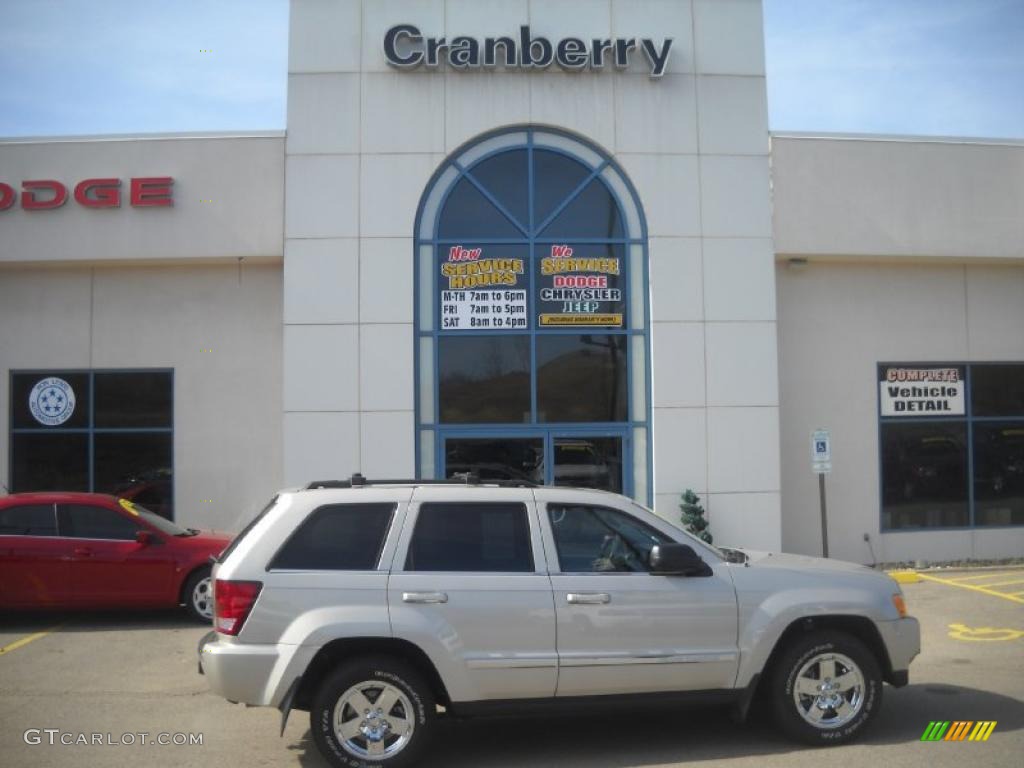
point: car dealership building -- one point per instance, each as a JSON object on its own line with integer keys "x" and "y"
{"x": 543, "y": 241}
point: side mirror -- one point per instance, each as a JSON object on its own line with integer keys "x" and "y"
{"x": 677, "y": 560}
{"x": 145, "y": 538}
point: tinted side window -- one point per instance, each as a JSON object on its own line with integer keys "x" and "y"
{"x": 596, "y": 539}
{"x": 28, "y": 520}
{"x": 471, "y": 537}
{"x": 84, "y": 521}
{"x": 337, "y": 537}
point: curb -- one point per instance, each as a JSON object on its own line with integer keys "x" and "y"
{"x": 904, "y": 577}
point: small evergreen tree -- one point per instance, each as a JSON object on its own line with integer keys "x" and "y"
{"x": 693, "y": 516}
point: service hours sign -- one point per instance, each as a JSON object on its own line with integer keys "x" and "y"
{"x": 482, "y": 290}
{"x": 500, "y": 287}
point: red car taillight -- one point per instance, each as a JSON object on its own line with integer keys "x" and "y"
{"x": 232, "y": 601}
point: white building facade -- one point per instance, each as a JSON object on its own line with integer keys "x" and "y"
{"x": 899, "y": 258}
{"x": 534, "y": 240}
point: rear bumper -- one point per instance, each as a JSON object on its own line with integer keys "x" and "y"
{"x": 902, "y": 639}
{"x": 257, "y": 675}
{"x": 209, "y": 637}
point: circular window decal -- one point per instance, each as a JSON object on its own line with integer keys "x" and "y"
{"x": 52, "y": 401}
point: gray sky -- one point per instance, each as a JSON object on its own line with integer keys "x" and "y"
{"x": 935, "y": 67}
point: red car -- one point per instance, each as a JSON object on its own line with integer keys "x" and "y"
{"x": 88, "y": 550}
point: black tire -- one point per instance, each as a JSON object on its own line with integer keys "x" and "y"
{"x": 373, "y": 670}
{"x": 834, "y": 728}
{"x": 200, "y": 610}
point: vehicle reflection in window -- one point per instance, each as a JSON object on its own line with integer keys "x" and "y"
{"x": 136, "y": 466}
{"x": 925, "y": 471}
{"x": 999, "y": 473}
{"x": 589, "y": 463}
{"x": 496, "y": 458}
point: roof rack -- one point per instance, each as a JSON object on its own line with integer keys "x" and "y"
{"x": 459, "y": 478}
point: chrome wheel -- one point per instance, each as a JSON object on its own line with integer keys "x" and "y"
{"x": 202, "y": 598}
{"x": 373, "y": 720}
{"x": 829, "y": 690}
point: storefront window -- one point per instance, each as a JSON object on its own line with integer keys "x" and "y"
{"x": 581, "y": 378}
{"x": 483, "y": 379}
{"x": 532, "y": 350}
{"x": 997, "y": 390}
{"x": 999, "y": 473}
{"x": 98, "y": 431}
{"x": 952, "y": 445}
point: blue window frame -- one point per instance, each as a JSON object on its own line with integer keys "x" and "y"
{"x": 101, "y": 430}
{"x": 532, "y": 308}
{"x": 951, "y": 445}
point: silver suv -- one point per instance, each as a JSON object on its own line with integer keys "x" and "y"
{"x": 378, "y": 606}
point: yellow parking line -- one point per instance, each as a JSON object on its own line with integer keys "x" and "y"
{"x": 1002, "y": 583}
{"x": 979, "y": 576}
{"x": 983, "y": 590}
{"x": 27, "y": 639}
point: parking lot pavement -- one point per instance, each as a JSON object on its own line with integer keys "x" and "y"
{"x": 130, "y": 674}
{"x": 1005, "y": 584}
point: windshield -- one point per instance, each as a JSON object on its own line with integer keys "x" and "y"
{"x": 688, "y": 535}
{"x": 162, "y": 524}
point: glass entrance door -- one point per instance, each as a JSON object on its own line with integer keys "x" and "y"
{"x": 588, "y": 462}
{"x": 496, "y": 458}
{"x": 575, "y": 459}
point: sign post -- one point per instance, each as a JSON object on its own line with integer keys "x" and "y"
{"x": 821, "y": 463}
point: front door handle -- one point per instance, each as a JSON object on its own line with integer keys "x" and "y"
{"x": 588, "y": 598}
{"x": 424, "y": 597}
{"x": 83, "y": 551}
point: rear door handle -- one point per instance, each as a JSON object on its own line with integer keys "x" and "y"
{"x": 588, "y": 598}
{"x": 424, "y": 597}
{"x": 83, "y": 551}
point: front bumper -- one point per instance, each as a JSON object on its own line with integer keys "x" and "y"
{"x": 902, "y": 638}
{"x": 257, "y": 675}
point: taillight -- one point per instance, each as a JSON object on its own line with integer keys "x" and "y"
{"x": 232, "y": 601}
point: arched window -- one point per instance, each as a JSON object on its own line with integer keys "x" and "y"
{"x": 532, "y": 346}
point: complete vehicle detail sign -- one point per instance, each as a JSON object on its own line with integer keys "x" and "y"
{"x": 406, "y": 47}
{"x": 921, "y": 391}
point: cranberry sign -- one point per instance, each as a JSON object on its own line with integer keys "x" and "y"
{"x": 47, "y": 194}
{"x": 405, "y": 47}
